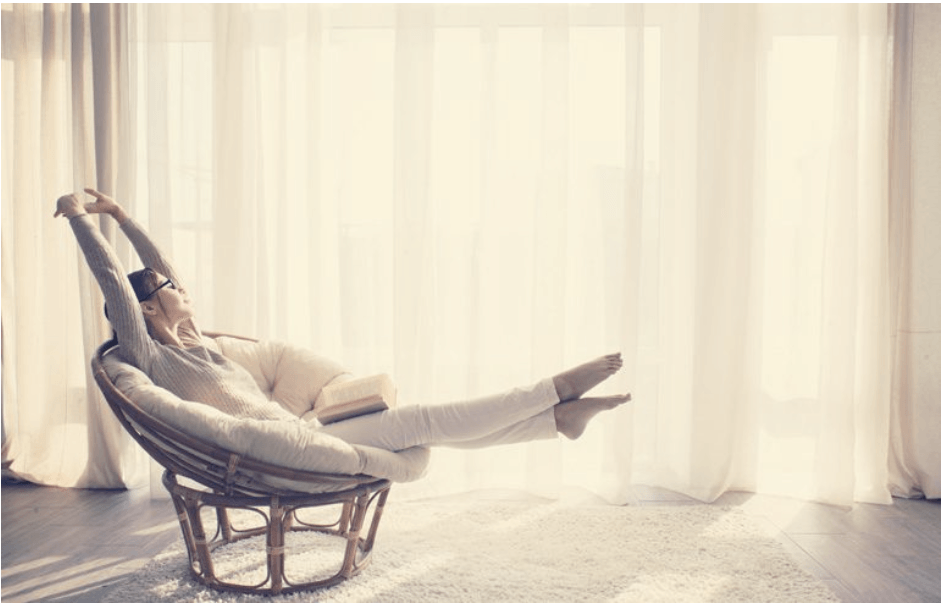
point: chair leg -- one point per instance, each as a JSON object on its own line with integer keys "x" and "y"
{"x": 354, "y": 531}
{"x": 201, "y": 545}
{"x": 376, "y": 520}
{"x": 188, "y": 536}
{"x": 345, "y": 520}
{"x": 276, "y": 544}
{"x": 224, "y": 529}
{"x": 367, "y": 543}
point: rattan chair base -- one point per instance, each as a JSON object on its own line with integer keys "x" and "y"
{"x": 280, "y": 515}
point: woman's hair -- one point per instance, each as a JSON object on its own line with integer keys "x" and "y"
{"x": 143, "y": 282}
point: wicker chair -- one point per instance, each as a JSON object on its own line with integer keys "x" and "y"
{"x": 227, "y": 480}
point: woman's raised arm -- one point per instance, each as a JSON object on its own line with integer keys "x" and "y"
{"x": 148, "y": 251}
{"x": 124, "y": 311}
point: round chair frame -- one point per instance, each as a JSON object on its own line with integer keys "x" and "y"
{"x": 230, "y": 481}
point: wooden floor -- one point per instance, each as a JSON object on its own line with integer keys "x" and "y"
{"x": 62, "y": 545}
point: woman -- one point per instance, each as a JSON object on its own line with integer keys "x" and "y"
{"x": 152, "y": 316}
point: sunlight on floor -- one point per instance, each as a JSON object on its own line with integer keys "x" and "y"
{"x": 772, "y": 507}
{"x": 726, "y": 526}
{"x": 27, "y": 566}
{"x": 416, "y": 569}
{"x": 684, "y": 585}
{"x": 525, "y": 519}
{"x": 60, "y": 580}
{"x": 156, "y": 529}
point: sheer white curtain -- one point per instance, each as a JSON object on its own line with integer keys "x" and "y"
{"x": 65, "y": 120}
{"x": 472, "y": 197}
{"x": 915, "y": 250}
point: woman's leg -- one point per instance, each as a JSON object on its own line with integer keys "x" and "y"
{"x": 537, "y": 427}
{"x": 414, "y": 425}
{"x": 463, "y": 421}
{"x": 566, "y": 418}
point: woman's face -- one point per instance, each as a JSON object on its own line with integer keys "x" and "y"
{"x": 174, "y": 301}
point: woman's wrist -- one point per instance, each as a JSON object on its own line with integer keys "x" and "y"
{"x": 119, "y": 214}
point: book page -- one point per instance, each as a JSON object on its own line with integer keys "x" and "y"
{"x": 357, "y": 389}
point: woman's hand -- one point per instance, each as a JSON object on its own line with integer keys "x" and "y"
{"x": 69, "y": 206}
{"x": 104, "y": 204}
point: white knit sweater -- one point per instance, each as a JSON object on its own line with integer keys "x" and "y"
{"x": 197, "y": 373}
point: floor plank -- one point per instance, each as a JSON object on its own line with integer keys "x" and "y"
{"x": 73, "y": 545}
{"x": 62, "y": 545}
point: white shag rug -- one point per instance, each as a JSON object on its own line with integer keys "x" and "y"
{"x": 509, "y": 551}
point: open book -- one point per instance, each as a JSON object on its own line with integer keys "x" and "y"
{"x": 357, "y": 397}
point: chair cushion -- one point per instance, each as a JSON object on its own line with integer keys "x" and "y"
{"x": 294, "y": 445}
{"x": 290, "y": 375}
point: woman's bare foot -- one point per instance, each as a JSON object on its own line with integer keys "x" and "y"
{"x": 573, "y": 383}
{"x": 571, "y": 417}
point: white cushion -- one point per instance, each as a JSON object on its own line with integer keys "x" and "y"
{"x": 287, "y": 374}
{"x": 289, "y": 444}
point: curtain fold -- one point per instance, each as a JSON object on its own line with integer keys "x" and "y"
{"x": 914, "y": 150}
{"x": 473, "y": 197}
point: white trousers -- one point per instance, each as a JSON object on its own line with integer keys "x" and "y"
{"x": 518, "y": 415}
